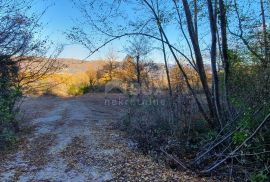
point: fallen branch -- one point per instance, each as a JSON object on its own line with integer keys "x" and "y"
{"x": 225, "y": 137}
{"x": 232, "y": 154}
{"x": 173, "y": 158}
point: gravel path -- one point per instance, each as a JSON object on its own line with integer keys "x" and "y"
{"x": 75, "y": 139}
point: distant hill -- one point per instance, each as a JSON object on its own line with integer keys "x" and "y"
{"x": 75, "y": 66}
{"x": 70, "y": 65}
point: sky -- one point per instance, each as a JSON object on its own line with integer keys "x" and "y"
{"x": 61, "y": 16}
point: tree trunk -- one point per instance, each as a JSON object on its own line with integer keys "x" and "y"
{"x": 266, "y": 56}
{"x": 215, "y": 83}
{"x": 168, "y": 75}
{"x": 200, "y": 107}
{"x": 166, "y": 65}
{"x": 138, "y": 71}
{"x": 225, "y": 56}
{"x": 199, "y": 62}
{"x": 196, "y": 17}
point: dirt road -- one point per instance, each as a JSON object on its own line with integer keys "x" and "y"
{"x": 75, "y": 139}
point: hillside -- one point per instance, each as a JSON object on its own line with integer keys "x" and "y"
{"x": 76, "y": 66}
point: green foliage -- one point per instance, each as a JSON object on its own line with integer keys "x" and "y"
{"x": 249, "y": 82}
{"x": 94, "y": 89}
{"x": 9, "y": 94}
{"x": 75, "y": 90}
{"x": 240, "y": 137}
{"x": 211, "y": 135}
{"x": 7, "y": 138}
{"x": 259, "y": 177}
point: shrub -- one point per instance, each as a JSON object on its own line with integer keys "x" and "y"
{"x": 259, "y": 177}
{"x": 147, "y": 123}
{"x": 152, "y": 123}
{"x": 9, "y": 94}
{"x": 75, "y": 90}
{"x": 94, "y": 89}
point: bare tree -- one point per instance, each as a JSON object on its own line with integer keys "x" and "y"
{"x": 138, "y": 48}
{"x": 212, "y": 13}
{"x": 246, "y": 30}
{"x": 264, "y": 32}
{"x": 111, "y": 65}
{"x": 224, "y": 52}
{"x": 166, "y": 65}
{"x": 21, "y": 54}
